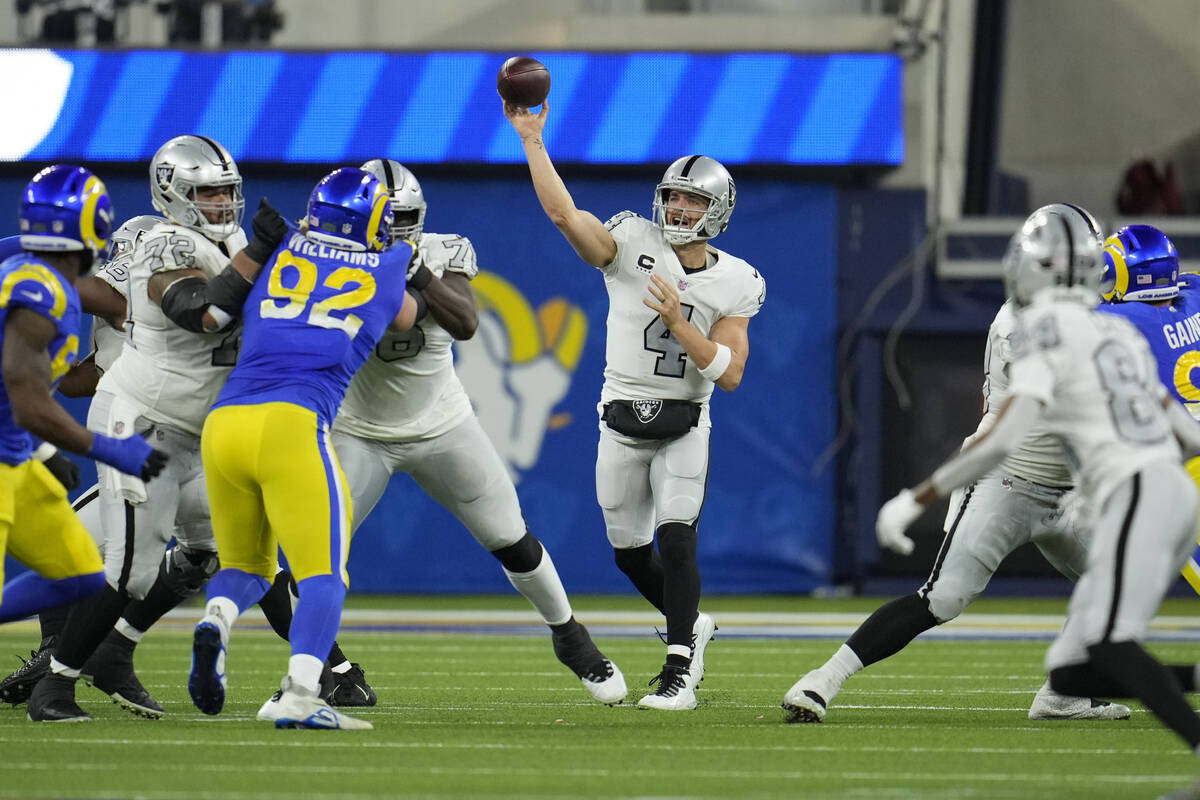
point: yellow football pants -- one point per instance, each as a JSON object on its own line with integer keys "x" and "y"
{"x": 38, "y": 526}
{"x": 274, "y": 480}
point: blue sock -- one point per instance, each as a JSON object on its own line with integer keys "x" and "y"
{"x": 317, "y": 616}
{"x": 241, "y": 587}
{"x": 29, "y": 593}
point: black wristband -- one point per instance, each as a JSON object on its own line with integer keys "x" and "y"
{"x": 258, "y": 250}
{"x": 229, "y": 290}
{"x": 420, "y": 279}
{"x": 422, "y": 304}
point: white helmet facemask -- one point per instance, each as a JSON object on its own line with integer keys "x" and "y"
{"x": 180, "y": 169}
{"x": 703, "y": 177}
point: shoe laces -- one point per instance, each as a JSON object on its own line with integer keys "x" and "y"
{"x": 670, "y": 681}
{"x": 30, "y": 664}
{"x": 662, "y": 637}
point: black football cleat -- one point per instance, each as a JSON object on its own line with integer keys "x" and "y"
{"x": 349, "y": 688}
{"x": 53, "y": 700}
{"x": 17, "y": 687}
{"x": 110, "y": 669}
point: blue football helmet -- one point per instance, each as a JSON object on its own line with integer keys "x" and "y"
{"x": 350, "y": 209}
{"x": 65, "y": 208}
{"x": 1140, "y": 263}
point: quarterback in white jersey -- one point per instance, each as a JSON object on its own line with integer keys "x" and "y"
{"x": 1091, "y": 379}
{"x": 407, "y": 411}
{"x": 679, "y": 312}
{"x": 188, "y": 276}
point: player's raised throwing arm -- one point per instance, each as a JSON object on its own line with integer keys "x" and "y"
{"x": 583, "y": 230}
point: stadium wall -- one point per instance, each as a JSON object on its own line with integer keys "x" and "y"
{"x": 534, "y": 371}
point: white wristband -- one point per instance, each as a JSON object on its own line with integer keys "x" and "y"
{"x": 716, "y": 368}
{"x": 221, "y": 316}
{"x": 44, "y": 451}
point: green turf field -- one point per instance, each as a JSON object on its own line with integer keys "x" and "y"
{"x": 471, "y": 714}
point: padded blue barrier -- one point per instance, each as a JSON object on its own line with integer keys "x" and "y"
{"x": 304, "y": 107}
{"x": 535, "y": 367}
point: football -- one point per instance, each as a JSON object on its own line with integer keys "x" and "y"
{"x": 523, "y": 81}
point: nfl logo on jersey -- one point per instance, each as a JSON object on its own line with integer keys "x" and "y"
{"x": 647, "y": 410}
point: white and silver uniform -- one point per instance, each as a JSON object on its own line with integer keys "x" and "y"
{"x": 407, "y": 411}
{"x": 642, "y": 484}
{"x": 107, "y": 340}
{"x": 1020, "y": 501}
{"x": 1099, "y": 384}
{"x": 161, "y": 386}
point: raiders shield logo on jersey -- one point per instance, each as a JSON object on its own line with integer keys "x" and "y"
{"x": 647, "y": 410}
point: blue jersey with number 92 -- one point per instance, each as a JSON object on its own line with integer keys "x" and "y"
{"x": 313, "y": 317}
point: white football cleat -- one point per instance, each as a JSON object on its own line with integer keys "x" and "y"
{"x": 674, "y": 692}
{"x": 610, "y": 689}
{"x": 808, "y": 699}
{"x": 702, "y": 634}
{"x": 294, "y": 706}
{"x": 1049, "y": 704}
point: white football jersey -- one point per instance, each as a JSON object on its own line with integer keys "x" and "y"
{"x": 408, "y": 389}
{"x": 642, "y": 359}
{"x": 173, "y": 374}
{"x": 1039, "y": 457}
{"x": 107, "y": 340}
{"x": 1099, "y": 382}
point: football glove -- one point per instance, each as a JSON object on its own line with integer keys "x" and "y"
{"x": 269, "y": 230}
{"x": 894, "y": 518}
{"x": 133, "y": 456}
{"x": 64, "y": 469}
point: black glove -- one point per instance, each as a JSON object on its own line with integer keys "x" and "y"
{"x": 268, "y": 228}
{"x": 64, "y": 469}
{"x": 154, "y": 464}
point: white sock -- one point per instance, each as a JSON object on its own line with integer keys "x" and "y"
{"x": 221, "y": 611}
{"x": 305, "y": 670}
{"x": 128, "y": 631}
{"x": 679, "y": 650}
{"x": 844, "y": 663}
{"x": 542, "y": 587}
{"x": 59, "y": 668}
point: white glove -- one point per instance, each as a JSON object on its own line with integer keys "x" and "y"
{"x": 894, "y": 518}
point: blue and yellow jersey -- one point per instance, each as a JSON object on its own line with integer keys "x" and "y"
{"x": 314, "y": 315}
{"x": 1173, "y": 331}
{"x": 27, "y": 282}
{"x": 9, "y": 247}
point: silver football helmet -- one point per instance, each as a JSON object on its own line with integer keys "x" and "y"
{"x": 699, "y": 175}
{"x": 179, "y": 169}
{"x": 1059, "y": 245}
{"x": 126, "y": 237}
{"x": 408, "y": 201}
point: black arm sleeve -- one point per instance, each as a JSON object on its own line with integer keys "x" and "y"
{"x": 186, "y": 300}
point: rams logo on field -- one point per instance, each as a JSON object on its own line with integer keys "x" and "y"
{"x": 519, "y": 366}
{"x": 647, "y": 410}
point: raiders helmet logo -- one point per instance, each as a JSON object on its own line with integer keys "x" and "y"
{"x": 647, "y": 410}
{"x": 163, "y": 174}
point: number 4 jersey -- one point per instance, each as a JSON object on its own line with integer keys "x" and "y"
{"x": 171, "y": 373}
{"x": 1099, "y": 383}
{"x": 642, "y": 358}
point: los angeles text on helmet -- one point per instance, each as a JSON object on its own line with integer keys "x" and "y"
{"x": 298, "y": 244}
